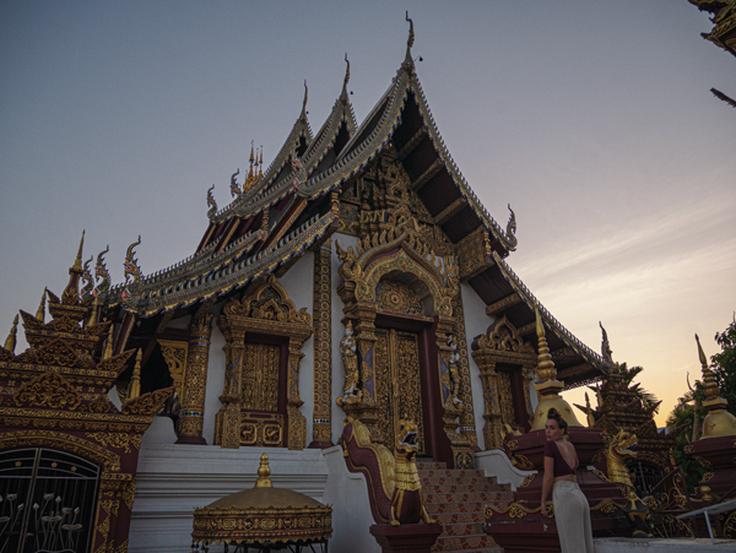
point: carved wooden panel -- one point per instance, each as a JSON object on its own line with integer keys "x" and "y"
{"x": 398, "y": 383}
{"x": 262, "y": 423}
{"x": 261, "y": 377}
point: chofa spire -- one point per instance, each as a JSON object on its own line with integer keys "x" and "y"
{"x": 606, "y": 351}
{"x": 304, "y": 100}
{"x": 346, "y": 79}
{"x": 410, "y": 38}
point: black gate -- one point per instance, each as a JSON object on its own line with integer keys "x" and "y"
{"x": 47, "y": 501}
{"x": 646, "y": 476}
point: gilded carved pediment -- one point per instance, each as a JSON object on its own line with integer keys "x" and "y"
{"x": 268, "y": 302}
{"x": 147, "y": 404}
{"x": 48, "y": 390}
{"x": 502, "y": 336}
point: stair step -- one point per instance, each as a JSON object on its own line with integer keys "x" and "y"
{"x": 464, "y": 497}
{"x": 460, "y": 543}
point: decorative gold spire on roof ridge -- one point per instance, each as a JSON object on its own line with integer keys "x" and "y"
{"x": 264, "y": 473}
{"x": 70, "y": 295}
{"x": 548, "y": 387}
{"x": 12, "y": 336}
{"x": 260, "y": 162}
{"x": 41, "y": 311}
{"x": 251, "y": 176}
{"x": 93, "y": 311}
{"x": 718, "y": 422}
{"x": 135, "y": 381}
{"x": 108, "y": 351}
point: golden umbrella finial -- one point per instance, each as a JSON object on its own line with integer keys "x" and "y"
{"x": 12, "y": 336}
{"x": 135, "y": 381}
{"x": 718, "y": 421}
{"x": 264, "y": 473}
{"x": 548, "y": 387}
{"x": 41, "y": 311}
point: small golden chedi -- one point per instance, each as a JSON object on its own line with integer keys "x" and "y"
{"x": 263, "y": 517}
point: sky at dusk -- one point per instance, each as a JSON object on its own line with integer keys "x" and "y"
{"x": 592, "y": 119}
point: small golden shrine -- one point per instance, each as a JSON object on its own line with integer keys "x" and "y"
{"x": 263, "y": 518}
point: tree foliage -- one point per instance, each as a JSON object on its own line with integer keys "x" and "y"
{"x": 689, "y": 411}
{"x": 724, "y": 365}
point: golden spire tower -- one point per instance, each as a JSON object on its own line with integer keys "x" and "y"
{"x": 264, "y": 473}
{"x": 718, "y": 422}
{"x": 135, "y": 381}
{"x": 71, "y": 292}
{"x": 12, "y": 336}
{"x": 41, "y": 311}
{"x": 547, "y": 386}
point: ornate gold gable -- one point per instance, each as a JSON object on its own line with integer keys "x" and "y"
{"x": 502, "y": 345}
{"x": 267, "y": 311}
{"x": 393, "y": 270}
{"x": 53, "y": 397}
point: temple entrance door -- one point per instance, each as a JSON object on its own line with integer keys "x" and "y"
{"x": 403, "y": 386}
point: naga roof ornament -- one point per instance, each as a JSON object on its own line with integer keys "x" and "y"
{"x": 211, "y": 203}
{"x": 234, "y": 186}
{"x": 511, "y": 240}
{"x": 131, "y": 267}
{"x": 89, "y": 284}
{"x": 102, "y": 275}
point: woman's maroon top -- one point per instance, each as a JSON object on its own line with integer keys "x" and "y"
{"x": 561, "y": 466}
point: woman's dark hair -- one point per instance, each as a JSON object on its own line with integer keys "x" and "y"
{"x": 555, "y": 416}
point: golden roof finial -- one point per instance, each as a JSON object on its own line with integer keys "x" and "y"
{"x": 718, "y": 421}
{"x": 41, "y": 311}
{"x": 107, "y": 353}
{"x": 264, "y": 473}
{"x": 71, "y": 292}
{"x": 260, "y": 162}
{"x": 135, "y": 381}
{"x": 12, "y": 336}
{"x": 545, "y": 366}
{"x": 548, "y": 387}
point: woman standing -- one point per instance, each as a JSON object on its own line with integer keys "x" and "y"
{"x": 571, "y": 509}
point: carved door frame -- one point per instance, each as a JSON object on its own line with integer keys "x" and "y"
{"x": 501, "y": 349}
{"x": 266, "y": 310}
{"x": 398, "y": 249}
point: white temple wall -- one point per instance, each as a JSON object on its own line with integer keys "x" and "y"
{"x": 299, "y": 284}
{"x": 476, "y": 322}
{"x": 215, "y": 383}
{"x": 338, "y": 373}
{"x": 347, "y": 493}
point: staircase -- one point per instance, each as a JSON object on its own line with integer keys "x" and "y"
{"x": 456, "y": 498}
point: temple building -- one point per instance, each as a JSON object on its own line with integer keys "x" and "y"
{"x": 356, "y": 278}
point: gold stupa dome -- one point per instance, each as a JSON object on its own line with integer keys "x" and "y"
{"x": 263, "y": 514}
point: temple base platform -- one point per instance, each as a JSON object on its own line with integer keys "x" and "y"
{"x": 654, "y": 545}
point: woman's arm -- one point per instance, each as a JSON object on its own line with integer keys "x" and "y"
{"x": 547, "y": 480}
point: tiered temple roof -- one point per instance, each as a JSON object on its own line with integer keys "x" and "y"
{"x": 294, "y": 205}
